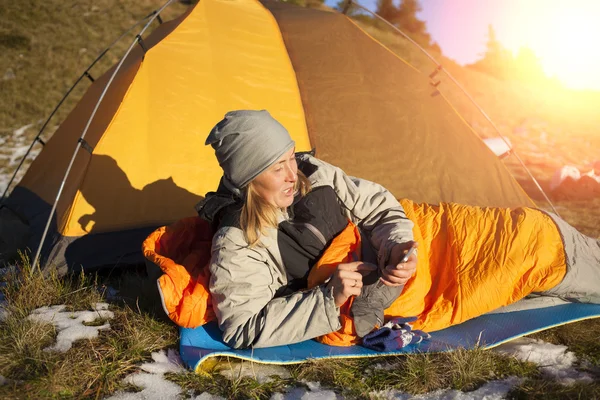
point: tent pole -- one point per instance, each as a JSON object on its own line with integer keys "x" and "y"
{"x": 81, "y": 140}
{"x": 86, "y": 74}
{"x": 440, "y": 67}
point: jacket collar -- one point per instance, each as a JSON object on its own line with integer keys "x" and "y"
{"x": 213, "y": 203}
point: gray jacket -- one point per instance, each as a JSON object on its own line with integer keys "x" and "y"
{"x": 244, "y": 280}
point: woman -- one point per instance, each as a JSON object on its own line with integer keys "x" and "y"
{"x": 276, "y": 213}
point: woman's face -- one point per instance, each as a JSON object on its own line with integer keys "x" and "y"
{"x": 276, "y": 184}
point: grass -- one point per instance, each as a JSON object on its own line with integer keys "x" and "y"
{"x": 47, "y": 45}
{"x": 96, "y": 368}
{"x": 91, "y": 366}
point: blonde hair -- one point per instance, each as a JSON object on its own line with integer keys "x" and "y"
{"x": 257, "y": 214}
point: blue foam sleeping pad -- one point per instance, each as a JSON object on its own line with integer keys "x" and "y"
{"x": 487, "y": 331}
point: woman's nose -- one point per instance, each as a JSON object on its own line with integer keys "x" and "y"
{"x": 292, "y": 173}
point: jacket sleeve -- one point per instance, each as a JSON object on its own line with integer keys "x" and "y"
{"x": 369, "y": 205}
{"x": 242, "y": 287}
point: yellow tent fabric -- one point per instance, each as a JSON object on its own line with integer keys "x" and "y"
{"x": 169, "y": 103}
{"x": 331, "y": 85}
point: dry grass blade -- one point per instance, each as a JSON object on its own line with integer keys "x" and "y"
{"x": 90, "y": 366}
{"x": 545, "y": 390}
{"x": 26, "y": 290}
{"x": 236, "y": 386}
{"x": 21, "y": 347}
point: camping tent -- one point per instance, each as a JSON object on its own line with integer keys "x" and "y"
{"x": 144, "y": 163}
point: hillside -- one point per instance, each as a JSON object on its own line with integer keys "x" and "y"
{"x": 522, "y": 112}
{"x": 46, "y": 46}
{"x": 548, "y": 127}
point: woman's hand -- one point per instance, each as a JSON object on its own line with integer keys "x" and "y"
{"x": 346, "y": 281}
{"x": 396, "y": 273}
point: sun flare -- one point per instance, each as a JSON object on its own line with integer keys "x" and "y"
{"x": 565, "y": 36}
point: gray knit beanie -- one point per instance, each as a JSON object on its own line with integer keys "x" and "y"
{"x": 247, "y": 142}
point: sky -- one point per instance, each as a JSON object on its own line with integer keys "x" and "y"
{"x": 563, "y": 33}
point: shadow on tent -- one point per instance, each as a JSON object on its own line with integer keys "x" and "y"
{"x": 109, "y": 240}
{"x": 120, "y": 247}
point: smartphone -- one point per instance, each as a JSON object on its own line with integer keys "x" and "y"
{"x": 408, "y": 253}
{"x": 402, "y": 261}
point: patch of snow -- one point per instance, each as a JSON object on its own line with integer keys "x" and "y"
{"x": 14, "y": 151}
{"x": 20, "y": 131}
{"x": 554, "y": 360}
{"x": 3, "y": 310}
{"x": 567, "y": 171}
{"x": 4, "y": 179}
{"x": 9, "y": 270}
{"x": 17, "y": 154}
{"x": 153, "y": 383}
{"x": 262, "y": 373}
{"x": 163, "y": 363}
{"x": 154, "y": 387}
{"x": 383, "y": 367}
{"x": 298, "y": 393}
{"x": 70, "y": 325}
{"x": 111, "y": 294}
{"x": 495, "y": 390}
{"x": 312, "y": 386}
{"x": 208, "y": 396}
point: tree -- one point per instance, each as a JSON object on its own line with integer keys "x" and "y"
{"x": 409, "y": 22}
{"x": 497, "y": 60}
{"x": 405, "y": 18}
{"x": 387, "y": 10}
{"x": 528, "y": 66}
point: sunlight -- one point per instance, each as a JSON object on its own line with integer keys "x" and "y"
{"x": 564, "y": 37}
{"x": 569, "y": 51}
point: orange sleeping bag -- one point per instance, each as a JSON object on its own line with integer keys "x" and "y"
{"x": 182, "y": 252}
{"x": 471, "y": 260}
